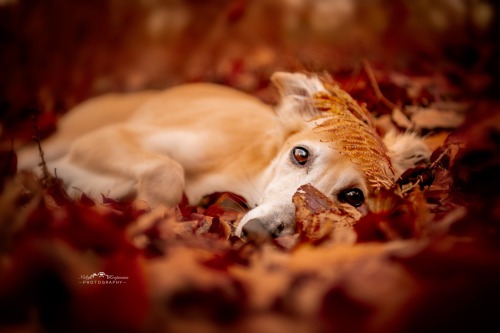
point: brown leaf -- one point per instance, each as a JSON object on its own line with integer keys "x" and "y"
{"x": 436, "y": 116}
{"x": 401, "y": 119}
{"x": 394, "y": 218}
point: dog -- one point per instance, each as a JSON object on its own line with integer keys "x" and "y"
{"x": 200, "y": 138}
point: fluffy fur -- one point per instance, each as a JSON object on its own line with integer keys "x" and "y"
{"x": 201, "y": 138}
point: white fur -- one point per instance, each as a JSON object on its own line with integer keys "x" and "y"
{"x": 295, "y": 92}
{"x": 276, "y": 207}
{"x": 405, "y": 150}
{"x": 201, "y": 138}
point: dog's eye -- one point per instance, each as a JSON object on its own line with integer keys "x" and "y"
{"x": 300, "y": 155}
{"x": 352, "y": 196}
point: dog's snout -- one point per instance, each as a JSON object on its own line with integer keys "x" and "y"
{"x": 255, "y": 231}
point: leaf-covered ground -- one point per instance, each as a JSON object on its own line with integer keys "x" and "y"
{"x": 426, "y": 261}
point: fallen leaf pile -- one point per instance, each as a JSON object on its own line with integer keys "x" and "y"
{"x": 426, "y": 258}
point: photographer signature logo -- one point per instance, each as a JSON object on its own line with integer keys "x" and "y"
{"x": 102, "y": 278}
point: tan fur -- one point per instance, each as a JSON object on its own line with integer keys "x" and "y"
{"x": 202, "y": 138}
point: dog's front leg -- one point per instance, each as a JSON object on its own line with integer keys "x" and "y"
{"x": 111, "y": 161}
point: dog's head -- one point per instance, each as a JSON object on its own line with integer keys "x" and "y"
{"x": 332, "y": 145}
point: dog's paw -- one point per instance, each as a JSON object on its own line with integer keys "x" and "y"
{"x": 162, "y": 184}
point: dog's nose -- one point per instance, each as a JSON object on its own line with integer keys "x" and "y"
{"x": 255, "y": 231}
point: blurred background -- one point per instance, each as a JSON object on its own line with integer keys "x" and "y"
{"x": 421, "y": 53}
{"x": 55, "y": 53}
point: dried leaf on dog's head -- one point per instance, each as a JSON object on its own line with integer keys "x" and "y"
{"x": 351, "y": 128}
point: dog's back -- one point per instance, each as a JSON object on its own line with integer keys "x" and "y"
{"x": 198, "y": 131}
{"x": 175, "y": 107}
{"x": 90, "y": 115}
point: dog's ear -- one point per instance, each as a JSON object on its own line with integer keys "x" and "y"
{"x": 296, "y": 90}
{"x": 296, "y": 85}
{"x": 406, "y": 150}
